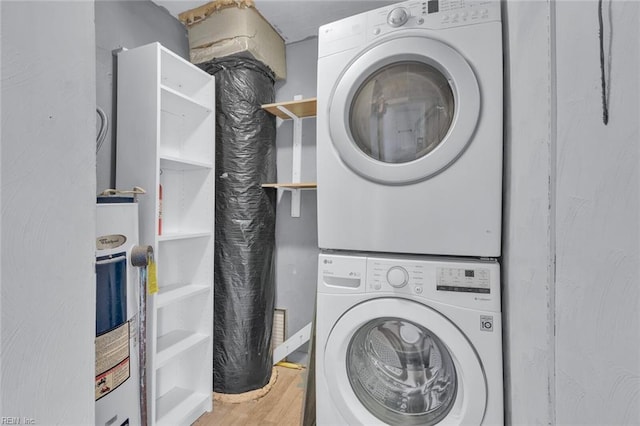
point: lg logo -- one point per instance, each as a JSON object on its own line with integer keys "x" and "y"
{"x": 486, "y": 323}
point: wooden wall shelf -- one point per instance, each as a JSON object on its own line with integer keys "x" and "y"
{"x": 301, "y": 185}
{"x": 300, "y": 108}
{"x": 294, "y": 110}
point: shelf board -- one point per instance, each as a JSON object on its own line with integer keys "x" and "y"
{"x": 291, "y": 186}
{"x": 182, "y": 76}
{"x": 174, "y": 343}
{"x": 171, "y": 162}
{"x": 182, "y": 236}
{"x": 171, "y": 294}
{"x": 173, "y": 407}
{"x": 301, "y": 108}
{"x": 178, "y": 101}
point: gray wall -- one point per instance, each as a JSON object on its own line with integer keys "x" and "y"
{"x": 126, "y": 24}
{"x": 47, "y": 280}
{"x": 297, "y": 238}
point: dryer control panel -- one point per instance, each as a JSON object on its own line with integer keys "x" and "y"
{"x": 366, "y": 27}
{"x": 431, "y": 14}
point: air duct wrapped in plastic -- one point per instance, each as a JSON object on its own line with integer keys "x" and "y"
{"x": 245, "y": 225}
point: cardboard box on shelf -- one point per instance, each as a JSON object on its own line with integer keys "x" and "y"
{"x": 234, "y": 27}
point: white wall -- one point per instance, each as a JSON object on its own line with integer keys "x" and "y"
{"x": 527, "y": 240}
{"x": 597, "y": 218}
{"x": 571, "y": 247}
{"x": 47, "y": 293}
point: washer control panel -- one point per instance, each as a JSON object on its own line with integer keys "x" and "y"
{"x": 398, "y": 276}
{"x": 472, "y": 280}
{"x": 463, "y": 282}
{"x": 447, "y": 280}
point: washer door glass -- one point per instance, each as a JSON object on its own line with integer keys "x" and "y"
{"x": 401, "y": 372}
{"x": 402, "y": 112}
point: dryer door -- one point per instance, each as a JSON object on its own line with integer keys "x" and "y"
{"x": 394, "y": 361}
{"x": 404, "y": 110}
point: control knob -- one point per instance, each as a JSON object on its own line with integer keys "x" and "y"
{"x": 397, "y": 277}
{"x": 398, "y": 17}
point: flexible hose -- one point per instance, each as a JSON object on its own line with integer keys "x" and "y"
{"x": 104, "y": 125}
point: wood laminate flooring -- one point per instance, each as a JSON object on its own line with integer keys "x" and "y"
{"x": 282, "y": 406}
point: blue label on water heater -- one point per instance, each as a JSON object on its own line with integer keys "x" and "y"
{"x": 111, "y": 292}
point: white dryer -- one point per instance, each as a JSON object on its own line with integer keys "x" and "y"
{"x": 409, "y": 129}
{"x": 408, "y": 341}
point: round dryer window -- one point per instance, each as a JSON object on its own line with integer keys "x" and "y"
{"x": 401, "y": 112}
{"x": 404, "y": 110}
{"x": 401, "y": 372}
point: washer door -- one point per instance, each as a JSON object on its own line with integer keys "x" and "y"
{"x": 404, "y": 110}
{"x": 394, "y": 361}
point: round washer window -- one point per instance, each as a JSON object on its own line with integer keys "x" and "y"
{"x": 401, "y": 112}
{"x": 401, "y": 372}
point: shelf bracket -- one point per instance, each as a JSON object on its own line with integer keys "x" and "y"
{"x": 296, "y": 162}
{"x": 292, "y": 343}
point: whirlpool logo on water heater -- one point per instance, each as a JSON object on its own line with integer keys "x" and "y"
{"x": 107, "y": 242}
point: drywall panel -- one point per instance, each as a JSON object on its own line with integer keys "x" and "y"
{"x": 527, "y": 243}
{"x": 126, "y": 24}
{"x": 47, "y": 297}
{"x": 297, "y": 237}
{"x": 598, "y": 234}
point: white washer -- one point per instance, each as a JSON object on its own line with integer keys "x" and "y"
{"x": 408, "y": 340}
{"x": 409, "y": 129}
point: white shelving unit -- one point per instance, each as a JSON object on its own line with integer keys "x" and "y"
{"x": 166, "y": 131}
{"x": 294, "y": 110}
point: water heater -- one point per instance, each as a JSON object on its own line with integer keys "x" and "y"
{"x": 117, "y": 387}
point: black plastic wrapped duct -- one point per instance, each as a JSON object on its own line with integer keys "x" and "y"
{"x": 245, "y": 225}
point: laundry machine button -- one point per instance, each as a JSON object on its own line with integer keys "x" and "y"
{"x": 418, "y": 289}
{"x": 397, "y": 276}
{"x": 398, "y": 17}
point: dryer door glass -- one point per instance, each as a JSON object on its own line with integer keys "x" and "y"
{"x": 401, "y": 112}
{"x": 401, "y": 372}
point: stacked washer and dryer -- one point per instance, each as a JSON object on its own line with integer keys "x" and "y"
{"x": 409, "y": 151}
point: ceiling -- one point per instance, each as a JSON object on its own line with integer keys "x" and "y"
{"x": 295, "y": 20}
